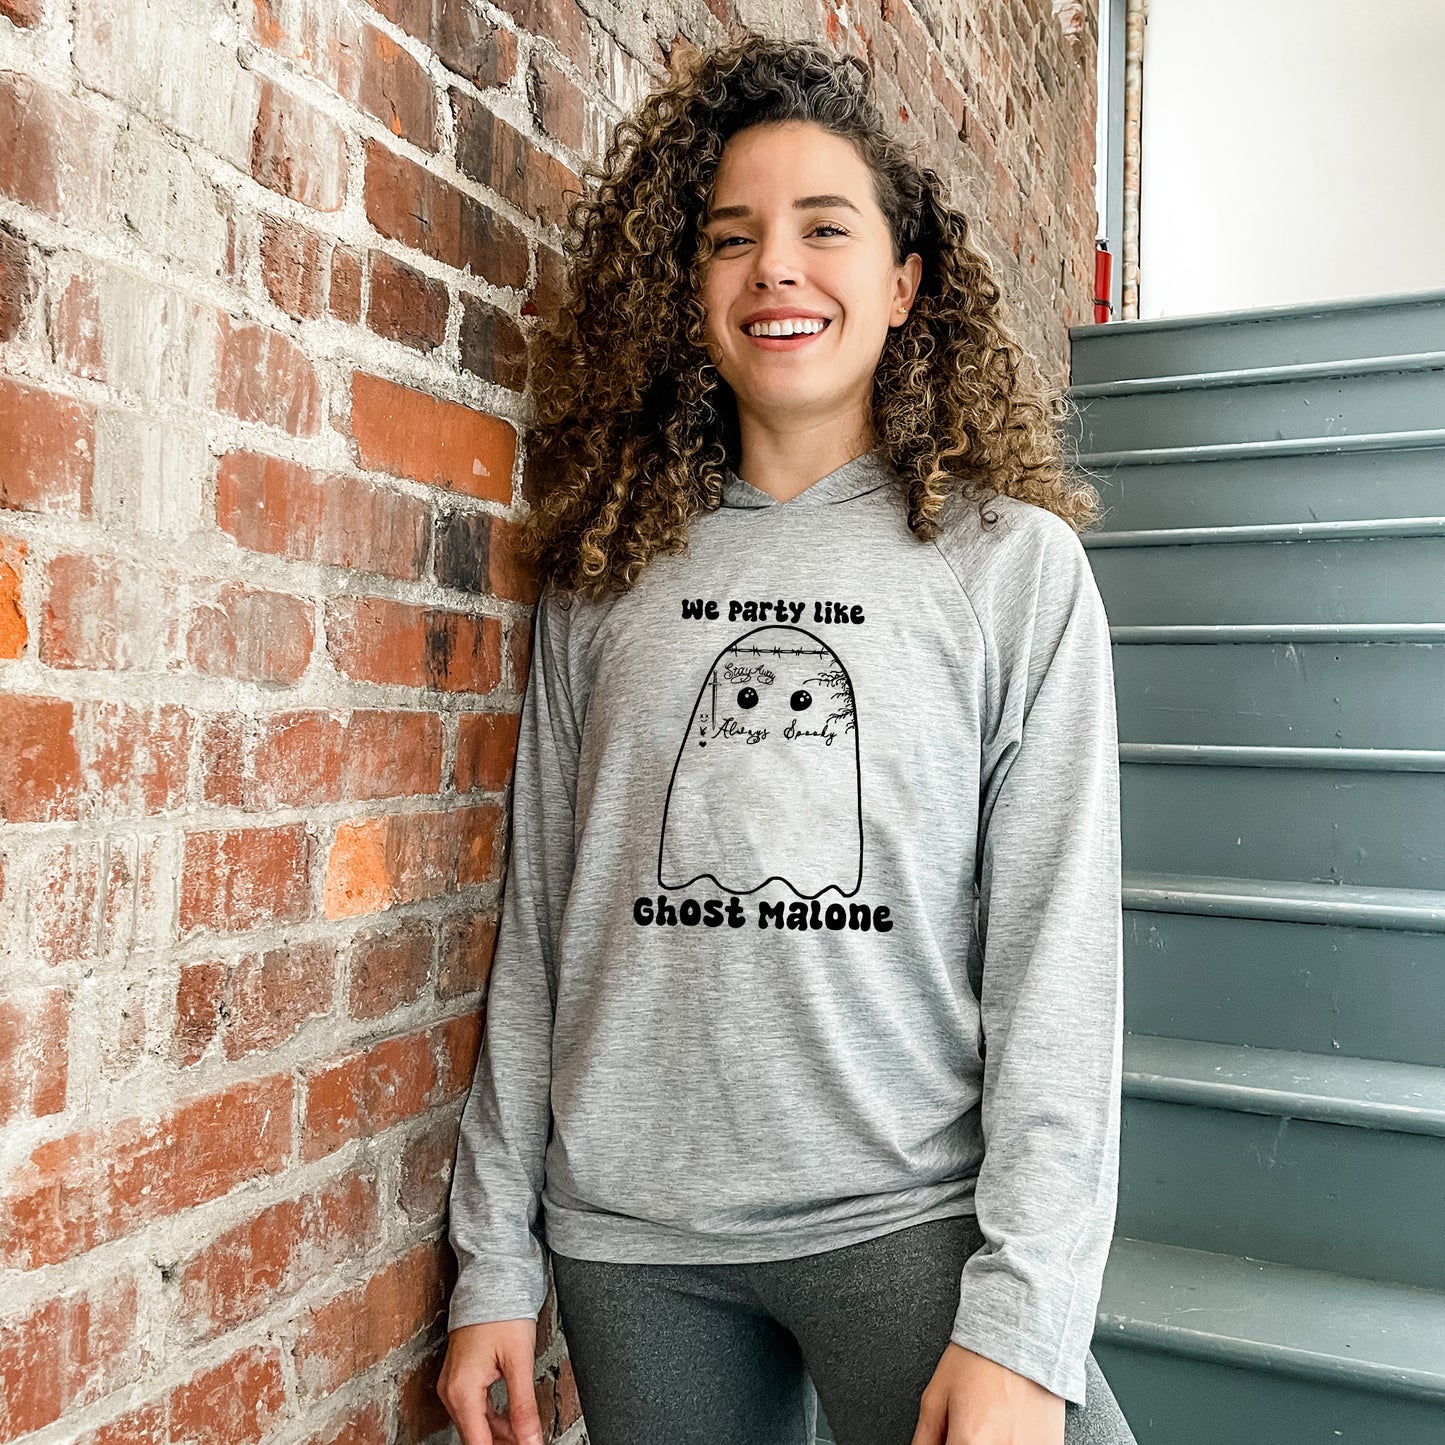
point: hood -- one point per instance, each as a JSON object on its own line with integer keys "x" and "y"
{"x": 865, "y": 473}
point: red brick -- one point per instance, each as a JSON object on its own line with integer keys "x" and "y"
{"x": 551, "y": 287}
{"x": 345, "y": 298}
{"x": 39, "y": 765}
{"x": 426, "y": 1170}
{"x": 389, "y": 969}
{"x": 75, "y": 339}
{"x": 363, "y": 1094}
{"x": 395, "y": 89}
{"x": 367, "y": 1425}
{"x": 200, "y": 1001}
{"x": 145, "y": 1425}
{"x": 407, "y": 203}
{"x": 235, "y": 1403}
{"x": 420, "y": 1412}
{"x": 557, "y": 105}
{"x": 411, "y": 434}
{"x": 305, "y": 758}
{"x": 14, "y": 631}
{"x": 23, "y": 12}
{"x": 48, "y": 461}
{"x": 85, "y": 1189}
{"x": 486, "y": 750}
{"x": 57, "y": 152}
{"x": 298, "y": 151}
{"x": 458, "y": 1041}
{"x": 276, "y": 506}
{"x": 378, "y": 863}
{"x": 295, "y": 267}
{"x": 139, "y": 758}
{"x": 492, "y": 344}
{"x": 252, "y": 636}
{"x": 374, "y": 639}
{"x": 65, "y": 1353}
{"x": 265, "y": 377}
{"x": 64, "y": 903}
{"x": 463, "y": 39}
{"x": 223, "y": 761}
{"x": 362, "y": 1326}
{"x": 34, "y": 1053}
{"x": 510, "y": 574}
{"x": 17, "y": 284}
{"x": 468, "y": 943}
{"x": 272, "y": 1255}
{"x": 241, "y": 878}
{"x": 406, "y": 306}
{"x": 503, "y": 159}
{"x": 109, "y": 613}
{"x": 272, "y": 996}
{"x": 561, "y": 21}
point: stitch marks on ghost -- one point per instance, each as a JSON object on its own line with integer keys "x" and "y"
{"x": 767, "y": 784}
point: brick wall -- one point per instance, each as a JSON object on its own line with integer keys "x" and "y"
{"x": 266, "y": 272}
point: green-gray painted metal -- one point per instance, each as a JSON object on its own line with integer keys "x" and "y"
{"x": 1272, "y": 559}
{"x": 1284, "y": 406}
{"x": 1296, "y": 1191}
{"x": 1266, "y": 336}
{"x": 1389, "y": 579}
{"x": 1316, "y": 825}
{"x": 1372, "y": 1335}
{"x": 1333, "y": 989}
{"x": 1352, "y": 695}
{"x": 1322, "y": 486}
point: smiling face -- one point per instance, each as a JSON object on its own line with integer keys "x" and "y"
{"x": 797, "y": 229}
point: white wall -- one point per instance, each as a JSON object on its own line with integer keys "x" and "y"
{"x": 1291, "y": 150}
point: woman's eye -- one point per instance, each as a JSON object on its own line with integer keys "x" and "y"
{"x": 821, "y": 226}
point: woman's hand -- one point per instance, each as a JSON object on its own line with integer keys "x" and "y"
{"x": 972, "y": 1400}
{"x": 478, "y": 1356}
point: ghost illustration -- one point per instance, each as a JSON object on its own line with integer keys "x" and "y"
{"x": 767, "y": 781}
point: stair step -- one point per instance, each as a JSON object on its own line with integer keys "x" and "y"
{"x": 1285, "y": 900}
{"x": 1360, "y": 982}
{"x": 1314, "y": 825}
{"x": 1151, "y": 634}
{"x": 1351, "y": 530}
{"x": 1246, "y": 490}
{"x": 1361, "y": 760}
{"x": 1260, "y": 375}
{"x": 1276, "y": 404}
{"x": 1395, "y": 579}
{"x": 1259, "y": 336}
{"x": 1357, "y": 695}
{"x": 1225, "y": 451}
{"x": 1258, "y": 1315}
{"x": 1301, "y": 1191}
{"x": 1367, "y": 1093}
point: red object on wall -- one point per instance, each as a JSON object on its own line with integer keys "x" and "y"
{"x": 1103, "y": 274}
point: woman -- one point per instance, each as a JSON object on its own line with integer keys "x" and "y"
{"x": 814, "y": 874}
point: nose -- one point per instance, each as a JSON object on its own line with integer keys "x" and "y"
{"x": 774, "y": 262}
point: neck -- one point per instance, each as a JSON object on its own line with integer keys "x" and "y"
{"x": 784, "y": 463}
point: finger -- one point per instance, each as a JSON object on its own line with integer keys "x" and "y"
{"x": 522, "y": 1398}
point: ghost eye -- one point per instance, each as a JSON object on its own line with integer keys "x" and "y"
{"x": 801, "y": 699}
{"x": 747, "y": 697}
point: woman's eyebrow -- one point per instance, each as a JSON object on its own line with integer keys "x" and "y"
{"x": 803, "y": 203}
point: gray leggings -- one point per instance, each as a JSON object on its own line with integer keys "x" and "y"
{"x": 741, "y": 1354}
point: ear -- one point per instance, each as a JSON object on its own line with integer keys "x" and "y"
{"x": 906, "y": 288}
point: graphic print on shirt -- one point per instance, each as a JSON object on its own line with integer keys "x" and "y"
{"x": 767, "y": 782}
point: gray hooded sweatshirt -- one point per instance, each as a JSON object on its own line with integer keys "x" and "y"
{"x": 811, "y": 922}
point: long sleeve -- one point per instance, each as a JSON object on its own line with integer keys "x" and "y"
{"x": 1051, "y": 931}
{"x": 506, "y": 1124}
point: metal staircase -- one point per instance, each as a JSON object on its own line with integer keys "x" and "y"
{"x": 1272, "y": 560}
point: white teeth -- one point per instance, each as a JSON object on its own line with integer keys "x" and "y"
{"x": 785, "y": 328}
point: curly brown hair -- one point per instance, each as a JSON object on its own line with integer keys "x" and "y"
{"x": 633, "y": 427}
